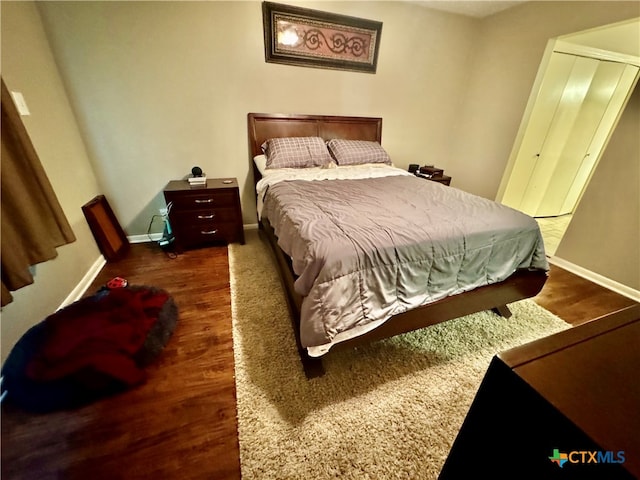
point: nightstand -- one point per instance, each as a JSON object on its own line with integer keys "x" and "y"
{"x": 443, "y": 179}
{"x": 206, "y": 214}
{"x": 429, "y": 172}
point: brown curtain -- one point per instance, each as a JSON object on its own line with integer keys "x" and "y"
{"x": 33, "y": 223}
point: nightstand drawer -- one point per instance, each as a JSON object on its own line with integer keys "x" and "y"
{"x": 208, "y": 215}
{"x": 192, "y": 235}
{"x": 192, "y": 200}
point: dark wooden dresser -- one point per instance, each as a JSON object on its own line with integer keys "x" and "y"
{"x": 572, "y": 398}
{"x": 205, "y": 214}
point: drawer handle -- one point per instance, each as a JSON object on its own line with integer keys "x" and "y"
{"x": 206, "y": 200}
{"x": 206, "y": 217}
{"x": 210, "y": 232}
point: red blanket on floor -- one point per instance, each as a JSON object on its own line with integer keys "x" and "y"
{"x": 101, "y": 334}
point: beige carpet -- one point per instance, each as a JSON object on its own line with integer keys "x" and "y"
{"x": 388, "y": 410}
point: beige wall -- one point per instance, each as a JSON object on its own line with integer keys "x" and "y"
{"x": 161, "y": 86}
{"x": 28, "y": 67}
{"x": 604, "y": 234}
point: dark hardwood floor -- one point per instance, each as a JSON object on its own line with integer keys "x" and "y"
{"x": 182, "y": 422}
{"x": 577, "y": 300}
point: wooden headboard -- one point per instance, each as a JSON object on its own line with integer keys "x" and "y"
{"x": 263, "y": 126}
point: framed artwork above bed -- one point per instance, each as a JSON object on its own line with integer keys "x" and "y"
{"x": 312, "y": 38}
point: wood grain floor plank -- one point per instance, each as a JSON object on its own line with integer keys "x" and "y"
{"x": 182, "y": 422}
{"x": 577, "y": 300}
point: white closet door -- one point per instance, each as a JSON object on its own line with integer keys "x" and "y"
{"x": 584, "y": 171}
{"x": 559, "y": 144}
{"x": 576, "y": 108}
{"x": 575, "y": 149}
{"x": 544, "y": 109}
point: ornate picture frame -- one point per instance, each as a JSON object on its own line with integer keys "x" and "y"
{"x": 312, "y": 38}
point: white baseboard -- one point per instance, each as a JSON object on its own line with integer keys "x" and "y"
{"x": 601, "y": 280}
{"x": 153, "y": 237}
{"x": 86, "y": 281}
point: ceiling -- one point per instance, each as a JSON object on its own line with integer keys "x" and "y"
{"x": 477, "y": 8}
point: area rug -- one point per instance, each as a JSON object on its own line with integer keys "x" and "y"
{"x": 391, "y": 409}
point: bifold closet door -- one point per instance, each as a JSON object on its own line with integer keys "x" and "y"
{"x": 576, "y": 108}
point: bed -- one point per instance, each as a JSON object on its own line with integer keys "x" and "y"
{"x": 368, "y": 251}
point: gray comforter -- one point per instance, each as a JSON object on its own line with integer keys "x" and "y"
{"x": 367, "y": 249}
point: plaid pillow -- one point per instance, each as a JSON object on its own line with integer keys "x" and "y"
{"x": 357, "y": 152}
{"x": 296, "y": 152}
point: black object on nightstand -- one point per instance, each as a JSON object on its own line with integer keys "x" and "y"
{"x": 429, "y": 172}
{"x": 205, "y": 214}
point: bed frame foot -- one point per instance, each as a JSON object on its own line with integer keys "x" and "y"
{"x": 312, "y": 366}
{"x": 502, "y": 310}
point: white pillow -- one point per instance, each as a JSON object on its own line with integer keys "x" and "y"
{"x": 261, "y": 163}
